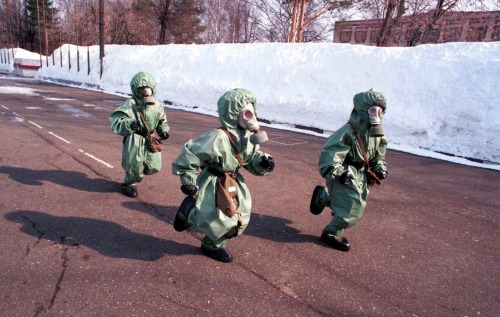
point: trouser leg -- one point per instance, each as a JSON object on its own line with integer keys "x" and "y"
{"x": 214, "y": 244}
{"x": 348, "y": 204}
{"x": 153, "y": 163}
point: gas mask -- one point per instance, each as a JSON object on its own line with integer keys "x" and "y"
{"x": 375, "y": 114}
{"x": 147, "y": 95}
{"x": 248, "y": 121}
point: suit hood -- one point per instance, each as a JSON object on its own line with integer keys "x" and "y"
{"x": 362, "y": 101}
{"x": 142, "y": 79}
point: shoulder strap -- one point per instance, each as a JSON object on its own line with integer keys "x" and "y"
{"x": 360, "y": 142}
{"x": 139, "y": 109}
{"x": 371, "y": 176}
{"x": 238, "y": 155}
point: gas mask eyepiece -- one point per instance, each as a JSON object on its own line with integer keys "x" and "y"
{"x": 147, "y": 95}
{"x": 375, "y": 114}
{"x": 248, "y": 121}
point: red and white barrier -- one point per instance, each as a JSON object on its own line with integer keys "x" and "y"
{"x": 26, "y": 67}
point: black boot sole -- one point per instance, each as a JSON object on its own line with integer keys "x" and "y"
{"x": 313, "y": 206}
{"x": 220, "y": 255}
{"x": 181, "y": 218}
{"x": 129, "y": 191}
{"x": 335, "y": 243}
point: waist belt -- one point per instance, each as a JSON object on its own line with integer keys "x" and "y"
{"x": 141, "y": 134}
{"x": 217, "y": 173}
{"x": 357, "y": 165}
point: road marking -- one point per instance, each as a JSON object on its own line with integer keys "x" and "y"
{"x": 36, "y": 125}
{"x": 59, "y": 137}
{"x": 5, "y": 107}
{"x": 288, "y": 141}
{"x": 95, "y": 158}
{"x": 17, "y": 114}
{"x": 62, "y": 139}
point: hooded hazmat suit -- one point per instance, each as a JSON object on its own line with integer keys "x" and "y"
{"x": 214, "y": 150}
{"x": 342, "y": 153}
{"x": 137, "y": 159}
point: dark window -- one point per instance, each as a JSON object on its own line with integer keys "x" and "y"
{"x": 412, "y": 37}
{"x": 360, "y": 36}
{"x": 345, "y": 36}
{"x": 434, "y": 36}
{"x": 476, "y": 33}
{"x": 495, "y": 36}
{"x": 453, "y": 34}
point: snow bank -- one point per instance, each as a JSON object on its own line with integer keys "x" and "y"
{"x": 441, "y": 98}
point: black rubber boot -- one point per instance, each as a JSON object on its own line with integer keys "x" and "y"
{"x": 220, "y": 255}
{"x": 317, "y": 206}
{"x": 181, "y": 218}
{"x": 340, "y": 244}
{"x": 129, "y": 190}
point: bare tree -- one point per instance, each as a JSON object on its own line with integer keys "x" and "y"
{"x": 215, "y": 20}
{"x": 298, "y": 20}
{"x": 442, "y": 7}
{"x": 179, "y": 20}
{"x": 231, "y": 21}
{"x": 306, "y": 12}
{"x": 10, "y": 22}
{"x": 418, "y": 18}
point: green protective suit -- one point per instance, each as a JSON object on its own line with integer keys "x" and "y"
{"x": 137, "y": 159}
{"x": 214, "y": 150}
{"x": 341, "y": 153}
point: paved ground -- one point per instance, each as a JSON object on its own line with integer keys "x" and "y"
{"x": 72, "y": 245}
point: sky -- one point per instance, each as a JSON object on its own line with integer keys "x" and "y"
{"x": 441, "y": 98}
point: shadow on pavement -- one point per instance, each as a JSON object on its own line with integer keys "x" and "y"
{"x": 260, "y": 226}
{"x": 71, "y": 179}
{"x": 160, "y": 212}
{"x": 107, "y": 238}
{"x": 276, "y": 229}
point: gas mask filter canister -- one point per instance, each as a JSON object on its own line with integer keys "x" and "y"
{"x": 248, "y": 121}
{"x": 147, "y": 95}
{"x": 375, "y": 114}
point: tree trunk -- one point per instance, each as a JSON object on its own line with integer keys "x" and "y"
{"x": 164, "y": 7}
{"x": 291, "y": 37}
{"x": 389, "y": 22}
{"x": 301, "y": 21}
{"x": 436, "y": 15}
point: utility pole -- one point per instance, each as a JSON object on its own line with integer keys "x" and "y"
{"x": 39, "y": 33}
{"x": 101, "y": 32}
{"x": 46, "y": 35}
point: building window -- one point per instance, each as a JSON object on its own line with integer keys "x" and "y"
{"x": 476, "y": 33}
{"x": 434, "y": 36}
{"x": 413, "y": 35}
{"x": 360, "y": 36}
{"x": 345, "y": 36}
{"x": 495, "y": 36}
{"x": 453, "y": 34}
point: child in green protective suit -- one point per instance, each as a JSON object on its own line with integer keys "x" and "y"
{"x": 134, "y": 120}
{"x": 220, "y": 153}
{"x": 352, "y": 159}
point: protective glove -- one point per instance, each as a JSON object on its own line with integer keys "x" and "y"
{"x": 189, "y": 190}
{"x": 345, "y": 178}
{"x": 163, "y": 135}
{"x": 267, "y": 162}
{"x": 135, "y": 125}
{"x": 381, "y": 175}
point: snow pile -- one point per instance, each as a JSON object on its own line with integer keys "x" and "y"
{"x": 441, "y": 98}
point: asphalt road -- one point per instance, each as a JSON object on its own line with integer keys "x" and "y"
{"x": 72, "y": 245}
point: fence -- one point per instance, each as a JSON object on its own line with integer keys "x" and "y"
{"x": 64, "y": 55}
